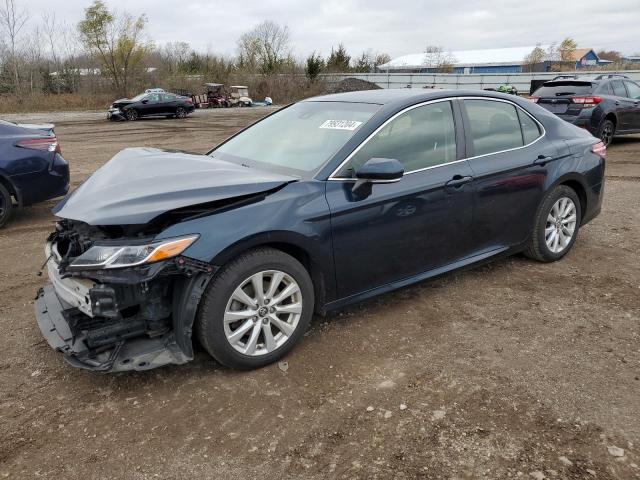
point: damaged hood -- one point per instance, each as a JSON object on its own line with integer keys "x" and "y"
{"x": 138, "y": 184}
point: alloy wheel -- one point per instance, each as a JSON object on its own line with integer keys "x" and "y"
{"x": 263, "y": 312}
{"x": 607, "y": 133}
{"x": 132, "y": 115}
{"x": 181, "y": 113}
{"x": 561, "y": 225}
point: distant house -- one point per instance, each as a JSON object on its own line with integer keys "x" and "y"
{"x": 494, "y": 60}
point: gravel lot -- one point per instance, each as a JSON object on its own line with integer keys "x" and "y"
{"x": 512, "y": 370}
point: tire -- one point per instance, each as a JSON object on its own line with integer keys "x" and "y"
{"x": 181, "y": 112}
{"x": 6, "y": 205}
{"x": 230, "y": 342}
{"x": 132, "y": 115}
{"x": 551, "y": 223}
{"x": 606, "y": 132}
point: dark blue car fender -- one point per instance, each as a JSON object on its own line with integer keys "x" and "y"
{"x": 295, "y": 219}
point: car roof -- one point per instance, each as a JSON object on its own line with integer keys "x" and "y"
{"x": 388, "y": 96}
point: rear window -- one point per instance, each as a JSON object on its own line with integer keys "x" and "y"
{"x": 560, "y": 89}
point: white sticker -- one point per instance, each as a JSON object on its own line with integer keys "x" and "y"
{"x": 341, "y": 124}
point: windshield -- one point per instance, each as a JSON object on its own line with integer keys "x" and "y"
{"x": 559, "y": 89}
{"x": 301, "y": 137}
{"x": 137, "y": 98}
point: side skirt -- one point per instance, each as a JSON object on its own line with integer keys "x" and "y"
{"x": 468, "y": 262}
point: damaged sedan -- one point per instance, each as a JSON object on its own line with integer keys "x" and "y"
{"x": 321, "y": 204}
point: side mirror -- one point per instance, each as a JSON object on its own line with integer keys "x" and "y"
{"x": 377, "y": 170}
{"x": 145, "y": 101}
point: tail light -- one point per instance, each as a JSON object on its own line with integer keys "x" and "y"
{"x": 589, "y": 100}
{"x": 188, "y": 100}
{"x": 48, "y": 144}
{"x": 599, "y": 149}
{"x": 534, "y": 99}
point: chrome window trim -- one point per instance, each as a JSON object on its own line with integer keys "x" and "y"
{"x": 421, "y": 104}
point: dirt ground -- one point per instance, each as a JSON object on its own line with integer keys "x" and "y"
{"x": 513, "y": 370}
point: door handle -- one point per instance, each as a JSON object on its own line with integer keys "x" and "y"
{"x": 542, "y": 160}
{"x": 458, "y": 181}
{"x": 617, "y": 102}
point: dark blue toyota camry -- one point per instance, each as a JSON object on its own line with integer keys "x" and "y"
{"x": 321, "y": 204}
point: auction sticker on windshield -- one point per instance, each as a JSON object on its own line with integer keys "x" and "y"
{"x": 341, "y": 124}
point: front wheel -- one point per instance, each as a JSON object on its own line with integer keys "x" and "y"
{"x": 132, "y": 115}
{"x": 556, "y": 225}
{"x": 255, "y": 309}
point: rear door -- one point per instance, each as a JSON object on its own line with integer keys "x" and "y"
{"x": 169, "y": 103}
{"x": 624, "y": 106}
{"x": 633, "y": 93}
{"x": 509, "y": 158}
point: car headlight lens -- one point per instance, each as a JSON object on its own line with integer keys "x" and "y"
{"x": 121, "y": 256}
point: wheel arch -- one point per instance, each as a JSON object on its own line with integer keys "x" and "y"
{"x": 577, "y": 184}
{"x": 299, "y": 247}
{"x": 13, "y": 190}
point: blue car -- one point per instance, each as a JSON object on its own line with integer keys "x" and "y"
{"x": 321, "y": 204}
{"x": 31, "y": 167}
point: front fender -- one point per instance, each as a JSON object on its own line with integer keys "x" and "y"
{"x": 296, "y": 215}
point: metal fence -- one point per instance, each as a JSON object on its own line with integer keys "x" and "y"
{"x": 473, "y": 81}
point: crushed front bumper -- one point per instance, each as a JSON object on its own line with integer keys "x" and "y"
{"x": 53, "y": 316}
{"x": 115, "y": 114}
{"x": 137, "y": 319}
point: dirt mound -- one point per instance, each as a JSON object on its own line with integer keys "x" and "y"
{"x": 352, "y": 85}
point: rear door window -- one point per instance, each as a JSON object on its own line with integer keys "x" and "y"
{"x": 495, "y": 126}
{"x": 530, "y": 128}
{"x": 618, "y": 88}
{"x": 604, "y": 89}
{"x": 563, "y": 89}
{"x": 632, "y": 89}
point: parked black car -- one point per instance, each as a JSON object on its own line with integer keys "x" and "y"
{"x": 31, "y": 166}
{"x": 606, "y": 106}
{"x": 152, "y": 104}
{"x": 324, "y": 203}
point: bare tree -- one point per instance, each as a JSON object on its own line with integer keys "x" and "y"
{"x": 437, "y": 60}
{"x": 534, "y": 58}
{"x": 266, "y": 47}
{"x": 13, "y": 20}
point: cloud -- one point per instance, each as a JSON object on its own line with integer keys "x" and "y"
{"x": 397, "y": 27}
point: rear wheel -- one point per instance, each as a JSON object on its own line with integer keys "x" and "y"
{"x": 607, "y": 131}
{"x": 132, "y": 115}
{"x": 255, "y": 309}
{"x": 556, "y": 225}
{"x": 181, "y": 112}
{"x": 6, "y": 205}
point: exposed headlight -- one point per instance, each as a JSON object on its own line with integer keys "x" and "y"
{"x": 121, "y": 256}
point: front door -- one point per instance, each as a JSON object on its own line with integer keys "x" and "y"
{"x": 405, "y": 228}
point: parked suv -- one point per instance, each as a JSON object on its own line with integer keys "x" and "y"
{"x": 605, "y": 106}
